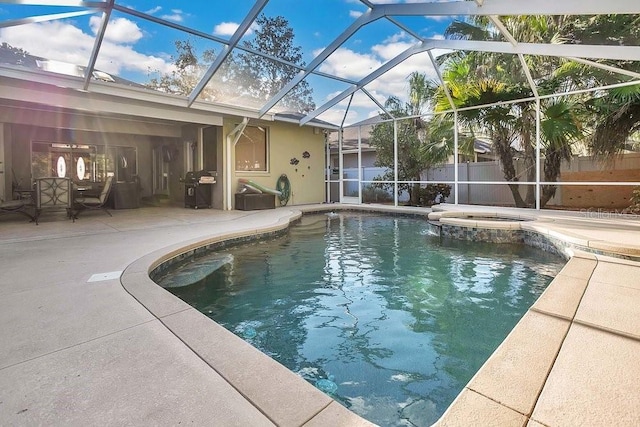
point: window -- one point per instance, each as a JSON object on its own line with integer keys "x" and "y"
{"x": 63, "y": 160}
{"x": 83, "y": 162}
{"x": 251, "y": 149}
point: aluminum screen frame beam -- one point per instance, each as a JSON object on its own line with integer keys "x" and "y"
{"x": 510, "y": 7}
{"x": 106, "y": 15}
{"x": 368, "y": 79}
{"x": 46, "y": 18}
{"x": 608, "y": 52}
{"x": 364, "y": 19}
{"x": 73, "y": 3}
{"x": 613, "y": 52}
{"x": 216, "y": 39}
{"x": 235, "y": 39}
{"x": 606, "y": 67}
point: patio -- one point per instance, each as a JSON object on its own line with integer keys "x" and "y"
{"x": 86, "y": 344}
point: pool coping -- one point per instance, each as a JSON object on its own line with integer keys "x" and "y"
{"x": 287, "y": 399}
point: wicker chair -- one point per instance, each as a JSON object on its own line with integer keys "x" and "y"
{"x": 83, "y": 203}
{"x": 53, "y": 193}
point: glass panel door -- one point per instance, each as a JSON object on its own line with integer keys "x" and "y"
{"x": 350, "y": 188}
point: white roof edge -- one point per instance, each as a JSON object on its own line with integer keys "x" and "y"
{"x": 130, "y": 93}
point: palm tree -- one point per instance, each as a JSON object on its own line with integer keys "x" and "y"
{"x": 480, "y": 78}
{"x": 560, "y": 127}
{"x": 617, "y": 116}
{"x": 613, "y": 116}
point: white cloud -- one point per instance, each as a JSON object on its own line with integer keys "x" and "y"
{"x": 64, "y": 42}
{"x": 373, "y": 113}
{"x": 390, "y": 50}
{"x": 176, "y": 15}
{"x": 360, "y": 100}
{"x": 154, "y": 10}
{"x": 116, "y": 58}
{"x": 336, "y": 115}
{"x": 119, "y": 30}
{"x": 350, "y": 64}
{"x": 225, "y": 28}
{"x": 360, "y": 108}
{"x": 355, "y": 14}
{"x": 229, "y": 28}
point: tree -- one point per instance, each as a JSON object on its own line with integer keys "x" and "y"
{"x": 262, "y": 78}
{"x": 481, "y": 78}
{"x": 421, "y": 143}
{"x": 614, "y": 114}
{"x": 13, "y": 55}
{"x": 617, "y": 117}
{"x": 188, "y": 68}
{"x": 410, "y": 159}
{"x": 243, "y": 78}
{"x": 611, "y": 117}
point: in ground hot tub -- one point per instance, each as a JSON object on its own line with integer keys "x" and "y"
{"x": 480, "y": 226}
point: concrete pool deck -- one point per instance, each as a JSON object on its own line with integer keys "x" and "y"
{"x": 88, "y": 339}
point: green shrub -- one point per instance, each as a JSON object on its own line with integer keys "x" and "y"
{"x": 433, "y": 194}
{"x": 375, "y": 194}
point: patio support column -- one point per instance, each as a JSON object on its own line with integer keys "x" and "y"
{"x": 455, "y": 157}
{"x": 328, "y": 169}
{"x": 447, "y": 92}
{"x": 232, "y": 139}
{"x": 340, "y": 166}
{"x": 538, "y": 153}
{"x": 360, "y": 177}
{"x": 395, "y": 163}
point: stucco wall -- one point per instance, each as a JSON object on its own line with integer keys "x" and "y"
{"x": 286, "y": 141}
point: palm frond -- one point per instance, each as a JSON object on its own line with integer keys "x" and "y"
{"x": 461, "y": 30}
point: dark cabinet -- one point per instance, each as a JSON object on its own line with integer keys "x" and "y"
{"x": 251, "y": 201}
{"x": 125, "y": 195}
{"x": 197, "y": 195}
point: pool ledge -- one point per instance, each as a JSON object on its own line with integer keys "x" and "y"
{"x": 285, "y": 398}
{"x": 571, "y": 360}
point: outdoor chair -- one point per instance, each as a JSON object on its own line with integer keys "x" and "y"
{"x": 83, "y": 203}
{"x": 16, "y": 206}
{"x": 53, "y": 193}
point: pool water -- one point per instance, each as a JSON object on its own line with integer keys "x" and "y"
{"x": 390, "y": 321}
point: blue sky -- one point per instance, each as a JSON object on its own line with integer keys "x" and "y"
{"x": 136, "y": 49}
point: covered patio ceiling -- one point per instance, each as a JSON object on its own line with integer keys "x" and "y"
{"x": 354, "y": 54}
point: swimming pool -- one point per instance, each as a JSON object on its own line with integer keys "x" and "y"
{"x": 388, "y": 320}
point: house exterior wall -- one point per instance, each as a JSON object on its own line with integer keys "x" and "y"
{"x": 286, "y": 141}
{"x": 21, "y": 127}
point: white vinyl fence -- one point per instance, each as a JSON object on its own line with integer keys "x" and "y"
{"x": 479, "y": 194}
